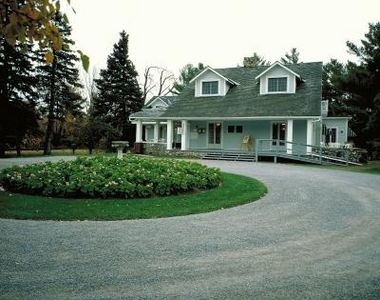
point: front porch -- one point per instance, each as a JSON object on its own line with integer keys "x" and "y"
{"x": 230, "y": 135}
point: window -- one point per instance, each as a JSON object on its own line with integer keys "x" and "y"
{"x": 210, "y": 87}
{"x": 279, "y": 84}
{"x": 233, "y": 129}
{"x": 331, "y": 136}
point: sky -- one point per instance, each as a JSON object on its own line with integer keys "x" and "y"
{"x": 219, "y": 33}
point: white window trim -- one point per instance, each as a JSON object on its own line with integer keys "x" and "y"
{"x": 282, "y": 92}
{"x": 209, "y": 95}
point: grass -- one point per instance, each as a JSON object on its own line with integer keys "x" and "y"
{"x": 372, "y": 167}
{"x": 236, "y": 190}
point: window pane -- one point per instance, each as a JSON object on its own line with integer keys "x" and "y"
{"x": 282, "y": 84}
{"x": 210, "y": 87}
{"x": 239, "y": 129}
{"x": 277, "y": 84}
{"x": 231, "y": 129}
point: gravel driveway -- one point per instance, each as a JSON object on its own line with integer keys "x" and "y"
{"x": 315, "y": 235}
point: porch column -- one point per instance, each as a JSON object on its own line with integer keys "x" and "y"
{"x": 169, "y": 134}
{"x": 289, "y": 137}
{"x": 156, "y": 132}
{"x": 309, "y": 136}
{"x": 139, "y": 129}
{"x": 185, "y": 135}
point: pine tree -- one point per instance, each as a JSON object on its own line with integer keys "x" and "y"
{"x": 17, "y": 95}
{"x": 187, "y": 73}
{"x": 58, "y": 85}
{"x": 291, "y": 57}
{"x": 255, "y": 61}
{"x": 119, "y": 92}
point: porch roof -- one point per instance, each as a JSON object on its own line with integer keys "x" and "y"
{"x": 244, "y": 100}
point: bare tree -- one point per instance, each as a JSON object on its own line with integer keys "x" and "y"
{"x": 158, "y": 81}
{"x": 89, "y": 86}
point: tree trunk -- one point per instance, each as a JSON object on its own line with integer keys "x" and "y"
{"x": 18, "y": 150}
{"x": 50, "y": 125}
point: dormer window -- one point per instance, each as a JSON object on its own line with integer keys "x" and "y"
{"x": 277, "y": 85}
{"x": 210, "y": 87}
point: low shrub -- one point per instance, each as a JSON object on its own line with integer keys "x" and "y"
{"x": 94, "y": 177}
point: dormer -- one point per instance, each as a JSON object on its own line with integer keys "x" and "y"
{"x": 278, "y": 79}
{"x": 209, "y": 83}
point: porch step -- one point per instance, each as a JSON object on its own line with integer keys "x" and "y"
{"x": 229, "y": 156}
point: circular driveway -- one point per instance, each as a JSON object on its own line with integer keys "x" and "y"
{"x": 315, "y": 235}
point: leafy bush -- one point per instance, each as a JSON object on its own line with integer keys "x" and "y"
{"x": 130, "y": 177}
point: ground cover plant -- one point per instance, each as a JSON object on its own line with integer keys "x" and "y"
{"x": 105, "y": 177}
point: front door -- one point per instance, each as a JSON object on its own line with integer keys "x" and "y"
{"x": 214, "y": 135}
{"x": 278, "y": 134}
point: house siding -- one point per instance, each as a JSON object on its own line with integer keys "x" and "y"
{"x": 341, "y": 125}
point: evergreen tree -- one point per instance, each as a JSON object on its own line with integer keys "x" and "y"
{"x": 354, "y": 89}
{"x": 187, "y": 73}
{"x": 291, "y": 57}
{"x": 119, "y": 92}
{"x": 17, "y": 106}
{"x": 58, "y": 85}
{"x": 255, "y": 61}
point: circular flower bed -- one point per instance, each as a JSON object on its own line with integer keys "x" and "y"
{"x": 105, "y": 177}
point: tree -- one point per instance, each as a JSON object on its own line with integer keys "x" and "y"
{"x": 58, "y": 85}
{"x": 333, "y": 75}
{"x": 291, "y": 57}
{"x": 157, "y": 79}
{"x": 354, "y": 88}
{"x": 255, "y": 61}
{"x": 187, "y": 73}
{"x": 119, "y": 92}
{"x": 17, "y": 93}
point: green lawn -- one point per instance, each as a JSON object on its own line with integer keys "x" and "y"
{"x": 372, "y": 167}
{"x": 236, "y": 190}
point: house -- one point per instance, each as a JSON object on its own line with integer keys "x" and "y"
{"x": 275, "y": 107}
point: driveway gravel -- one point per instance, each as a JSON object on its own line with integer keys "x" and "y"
{"x": 315, "y": 235}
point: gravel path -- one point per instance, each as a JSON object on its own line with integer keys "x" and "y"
{"x": 315, "y": 235}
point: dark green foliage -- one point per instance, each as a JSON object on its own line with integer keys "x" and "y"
{"x": 92, "y": 130}
{"x": 131, "y": 177}
{"x": 291, "y": 57}
{"x": 17, "y": 93}
{"x": 187, "y": 73}
{"x": 354, "y": 89}
{"x": 119, "y": 92}
{"x": 59, "y": 83}
{"x": 255, "y": 61}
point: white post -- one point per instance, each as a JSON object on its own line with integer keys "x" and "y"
{"x": 289, "y": 137}
{"x": 309, "y": 136}
{"x": 139, "y": 129}
{"x": 156, "y": 132}
{"x": 169, "y": 134}
{"x": 185, "y": 135}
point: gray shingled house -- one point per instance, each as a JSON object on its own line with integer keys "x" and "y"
{"x": 266, "y": 108}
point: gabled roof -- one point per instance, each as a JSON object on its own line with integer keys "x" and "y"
{"x": 277, "y": 63}
{"x": 166, "y": 100}
{"x": 245, "y": 99}
{"x": 217, "y": 73}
